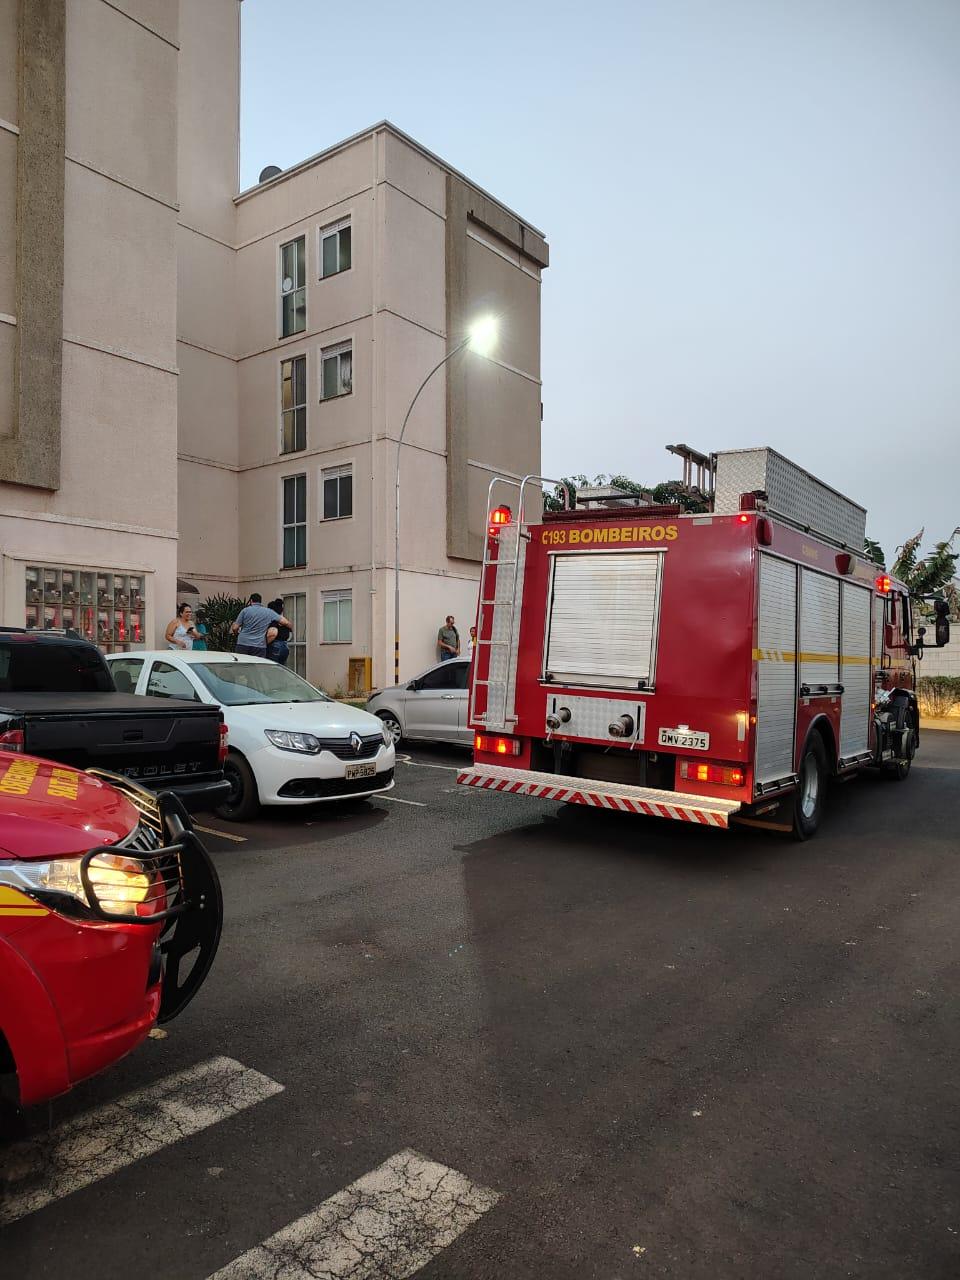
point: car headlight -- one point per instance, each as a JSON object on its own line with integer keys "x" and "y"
{"x": 385, "y": 732}
{"x": 287, "y": 741}
{"x": 118, "y": 884}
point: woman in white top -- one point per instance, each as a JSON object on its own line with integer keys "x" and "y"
{"x": 180, "y": 631}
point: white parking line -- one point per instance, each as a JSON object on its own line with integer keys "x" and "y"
{"x": 91, "y": 1146}
{"x": 390, "y": 1222}
{"x": 224, "y": 835}
{"x": 422, "y": 764}
{"x": 396, "y": 800}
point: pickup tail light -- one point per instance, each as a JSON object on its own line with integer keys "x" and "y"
{"x": 12, "y": 740}
{"x": 223, "y": 752}
{"x": 724, "y": 775}
{"x": 495, "y": 745}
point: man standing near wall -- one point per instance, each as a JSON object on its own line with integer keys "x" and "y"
{"x": 448, "y": 640}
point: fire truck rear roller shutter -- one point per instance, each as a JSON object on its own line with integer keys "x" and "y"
{"x": 776, "y": 669}
{"x": 603, "y": 617}
{"x": 819, "y": 629}
{"x": 855, "y": 669}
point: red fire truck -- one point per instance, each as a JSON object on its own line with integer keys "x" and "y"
{"x": 711, "y": 668}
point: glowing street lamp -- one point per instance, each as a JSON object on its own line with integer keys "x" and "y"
{"x": 482, "y": 339}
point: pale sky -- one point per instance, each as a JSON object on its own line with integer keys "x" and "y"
{"x": 753, "y": 210}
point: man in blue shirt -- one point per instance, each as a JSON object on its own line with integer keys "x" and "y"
{"x": 252, "y": 624}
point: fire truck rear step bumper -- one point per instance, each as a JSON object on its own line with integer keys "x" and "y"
{"x": 706, "y": 810}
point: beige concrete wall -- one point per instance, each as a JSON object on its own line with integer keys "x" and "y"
{"x": 207, "y": 157}
{"x": 122, "y": 96}
{"x": 116, "y": 507}
{"x": 8, "y": 60}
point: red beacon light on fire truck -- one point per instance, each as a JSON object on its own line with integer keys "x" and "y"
{"x": 882, "y": 583}
{"x": 498, "y": 518}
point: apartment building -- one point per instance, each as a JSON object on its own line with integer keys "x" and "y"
{"x": 294, "y": 322}
{"x": 88, "y": 317}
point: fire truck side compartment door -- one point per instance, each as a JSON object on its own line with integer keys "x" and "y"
{"x": 855, "y": 669}
{"x": 604, "y": 614}
{"x": 819, "y": 629}
{"x": 776, "y": 669}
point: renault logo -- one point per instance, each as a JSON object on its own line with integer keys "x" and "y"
{"x": 357, "y": 743}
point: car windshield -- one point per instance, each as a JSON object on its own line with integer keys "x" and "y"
{"x": 237, "y": 684}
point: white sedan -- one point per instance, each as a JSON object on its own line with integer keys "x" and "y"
{"x": 288, "y": 742}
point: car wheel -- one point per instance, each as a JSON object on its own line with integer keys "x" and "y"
{"x": 392, "y": 725}
{"x": 808, "y": 803}
{"x": 243, "y": 802}
{"x": 898, "y": 770}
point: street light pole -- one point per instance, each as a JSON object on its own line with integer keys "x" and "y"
{"x": 396, "y": 545}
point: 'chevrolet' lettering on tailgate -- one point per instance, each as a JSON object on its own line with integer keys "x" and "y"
{"x": 609, "y": 535}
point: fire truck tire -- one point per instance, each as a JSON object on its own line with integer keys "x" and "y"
{"x": 243, "y": 803}
{"x": 811, "y": 789}
{"x": 899, "y": 770}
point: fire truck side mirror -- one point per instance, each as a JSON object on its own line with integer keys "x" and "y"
{"x": 942, "y": 610}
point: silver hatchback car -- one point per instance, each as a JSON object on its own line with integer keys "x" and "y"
{"x": 434, "y": 705}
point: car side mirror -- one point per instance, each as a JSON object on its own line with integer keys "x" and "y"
{"x": 413, "y": 686}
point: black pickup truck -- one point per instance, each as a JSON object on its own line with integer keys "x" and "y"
{"x": 58, "y": 700}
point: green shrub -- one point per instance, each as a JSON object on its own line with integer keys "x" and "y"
{"x": 938, "y": 694}
{"x": 218, "y": 614}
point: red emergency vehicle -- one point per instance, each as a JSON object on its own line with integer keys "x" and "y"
{"x": 110, "y": 915}
{"x": 709, "y": 668}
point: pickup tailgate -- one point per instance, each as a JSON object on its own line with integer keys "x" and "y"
{"x": 121, "y": 732}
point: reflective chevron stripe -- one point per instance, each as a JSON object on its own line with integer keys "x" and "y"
{"x": 600, "y": 800}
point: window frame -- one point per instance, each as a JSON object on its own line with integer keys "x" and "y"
{"x": 295, "y": 406}
{"x": 326, "y": 232}
{"x": 175, "y": 670}
{"x": 295, "y": 608}
{"x": 297, "y": 287}
{"x": 326, "y": 353}
{"x": 338, "y": 471}
{"x": 294, "y": 524}
{"x": 339, "y": 596}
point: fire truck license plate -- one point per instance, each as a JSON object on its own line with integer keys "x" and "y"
{"x": 360, "y": 771}
{"x": 688, "y": 739}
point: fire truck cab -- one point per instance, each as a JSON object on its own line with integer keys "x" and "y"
{"x": 711, "y": 668}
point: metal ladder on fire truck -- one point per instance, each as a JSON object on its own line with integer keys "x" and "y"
{"x": 505, "y": 554}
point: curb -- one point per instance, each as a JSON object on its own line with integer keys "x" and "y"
{"x": 944, "y": 722}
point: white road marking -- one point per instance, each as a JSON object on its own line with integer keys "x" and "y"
{"x": 390, "y": 1222}
{"x": 422, "y": 764}
{"x": 396, "y": 800}
{"x": 91, "y": 1146}
{"x": 224, "y": 835}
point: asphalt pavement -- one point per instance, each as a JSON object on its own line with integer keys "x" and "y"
{"x": 475, "y": 1036}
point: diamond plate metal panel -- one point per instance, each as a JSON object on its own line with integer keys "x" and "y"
{"x": 791, "y": 492}
{"x": 589, "y": 717}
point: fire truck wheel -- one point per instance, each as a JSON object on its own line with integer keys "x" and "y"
{"x": 898, "y": 770}
{"x": 243, "y": 802}
{"x": 808, "y": 804}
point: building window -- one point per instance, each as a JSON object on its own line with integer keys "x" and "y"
{"x": 295, "y": 609}
{"x": 337, "y": 492}
{"x": 293, "y": 287}
{"x": 106, "y": 608}
{"x": 294, "y": 522}
{"x": 293, "y": 404}
{"x": 335, "y": 248}
{"x": 337, "y": 617}
{"x": 336, "y": 371}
